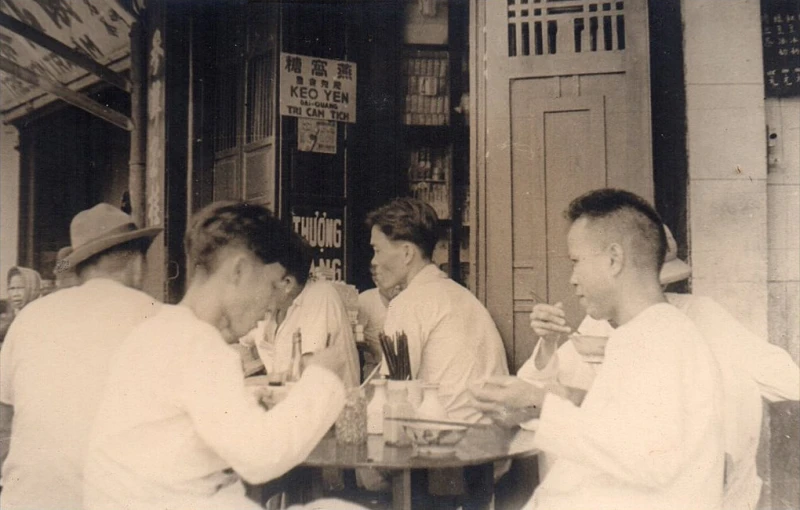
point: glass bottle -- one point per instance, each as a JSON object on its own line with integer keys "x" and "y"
{"x": 296, "y": 365}
{"x": 351, "y": 425}
{"x": 376, "y": 406}
{"x": 431, "y": 407}
{"x": 397, "y": 406}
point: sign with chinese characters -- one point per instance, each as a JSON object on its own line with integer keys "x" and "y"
{"x": 318, "y": 88}
{"x": 780, "y": 32}
{"x": 323, "y": 228}
{"x": 316, "y": 136}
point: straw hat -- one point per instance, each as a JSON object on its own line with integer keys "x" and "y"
{"x": 674, "y": 269}
{"x": 102, "y": 227}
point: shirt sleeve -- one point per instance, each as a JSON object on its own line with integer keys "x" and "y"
{"x": 641, "y": 435}
{"x": 8, "y": 363}
{"x": 772, "y": 368}
{"x": 529, "y": 373}
{"x": 566, "y": 367}
{"x": 260, "y": 445}
{"x": 322, "y": 315}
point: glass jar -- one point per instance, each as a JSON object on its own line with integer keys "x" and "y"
{"x": 397, "y": 406}
{"x": 375, "y": 407}
{"x": 351, "y": 426}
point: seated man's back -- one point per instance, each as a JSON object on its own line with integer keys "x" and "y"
{"x": 54, "y": 367}
{"x": 452, "y": 338}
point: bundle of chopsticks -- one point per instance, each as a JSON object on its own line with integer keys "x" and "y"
{"x": 395, "y": 350}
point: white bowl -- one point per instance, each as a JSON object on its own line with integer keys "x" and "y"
{"x": 589, "y": 345}
{"x": 432, "y": 440}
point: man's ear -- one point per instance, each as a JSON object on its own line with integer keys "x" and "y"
{"x": 408, "y": 252}
{"x": 234, "y": 271}
{"x": 616, "y": 256}
{"x": 289, "y": 283}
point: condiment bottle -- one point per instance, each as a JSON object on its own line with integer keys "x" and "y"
{"x": 376, "y": 406}
{"x": 296, "y": 365}
{"x": 397, "y": 406}
{"x": 431, "y": 407}
{"x": 351, "y": 425}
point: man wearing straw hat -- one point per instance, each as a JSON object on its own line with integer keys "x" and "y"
{"x": 55, "y": 360}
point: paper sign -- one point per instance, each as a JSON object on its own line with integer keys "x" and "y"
{"x": 316, "y": 136}
{"x": 318, "y": 88}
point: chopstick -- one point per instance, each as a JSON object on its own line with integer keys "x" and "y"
{"x": 395, "y": 350}
{"x": 444, "y": 422}
{"x": 536, "y": 297}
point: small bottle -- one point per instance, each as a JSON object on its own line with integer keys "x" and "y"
{"x": 296, "y": 366}
{"x": 397, "y": 406}
{"x": 375, "y": 407}
{"x": 431, "y": 407}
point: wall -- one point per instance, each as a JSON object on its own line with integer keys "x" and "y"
{"x": 727, "y": 156}
{"x": 9, "y": 201}
{"x": 783, "y": 206}
{"x": 745, "y": 216}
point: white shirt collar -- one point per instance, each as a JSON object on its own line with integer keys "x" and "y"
{"x": 427, "y": 274}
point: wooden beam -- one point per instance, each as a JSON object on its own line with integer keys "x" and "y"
{"x": 64, "y": 51}
{"x": 66, "y": 94}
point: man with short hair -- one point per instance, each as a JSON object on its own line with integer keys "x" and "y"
{"x": 649, "y": 433}
{"x": 54, "y": 362}
{"x": 751, "y": 367}
{"x": 176, "y": 427}
{"x": 452, "y": 339}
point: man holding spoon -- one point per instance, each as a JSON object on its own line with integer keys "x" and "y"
{"x": 648, "y": 434}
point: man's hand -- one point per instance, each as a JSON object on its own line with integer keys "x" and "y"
{"x": 508, "y": 400}
{"x": 548, "y": 321}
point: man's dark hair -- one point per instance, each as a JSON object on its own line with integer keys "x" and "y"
{"x": 408, "y": 219}
{"x": 298, "y": 257}
{"x": 632, "y": 214}
{"x": 235, "y": 224}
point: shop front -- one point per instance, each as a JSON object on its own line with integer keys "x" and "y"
{"x": 323, "y": 112}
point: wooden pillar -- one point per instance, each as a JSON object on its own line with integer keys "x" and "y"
{"x": 155, "y": 171}
{"x": 138, "y": 154}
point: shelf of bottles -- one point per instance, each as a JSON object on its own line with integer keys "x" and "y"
{"x": 427, "y": 88}
{"x": 429, "y": 177}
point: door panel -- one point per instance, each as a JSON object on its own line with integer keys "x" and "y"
{"x": 565, "y": 110}
{"x": 567, "y": 144}
{"x": 259, "y": 170}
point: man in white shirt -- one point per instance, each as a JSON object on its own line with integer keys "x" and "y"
{"x": 176, "y": 428}
{"x": 313, "y": 307}
{"x": 751, "y": 369}
{"x": 452, "y": 339}
{"x": 649, "y": 433}
{"x": 55, "y": 360}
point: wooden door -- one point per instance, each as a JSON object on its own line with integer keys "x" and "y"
{"x": 565, "y": 109}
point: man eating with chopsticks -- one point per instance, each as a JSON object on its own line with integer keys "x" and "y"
{"x": 176, "y": 428}
{"x": 451, "y": 339}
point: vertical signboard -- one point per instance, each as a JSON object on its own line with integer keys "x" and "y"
{"x": 323, "y": 228}
{"x": 780, "y": 32}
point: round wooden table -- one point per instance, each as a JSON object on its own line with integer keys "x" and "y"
{"x": 480, "y": 448}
